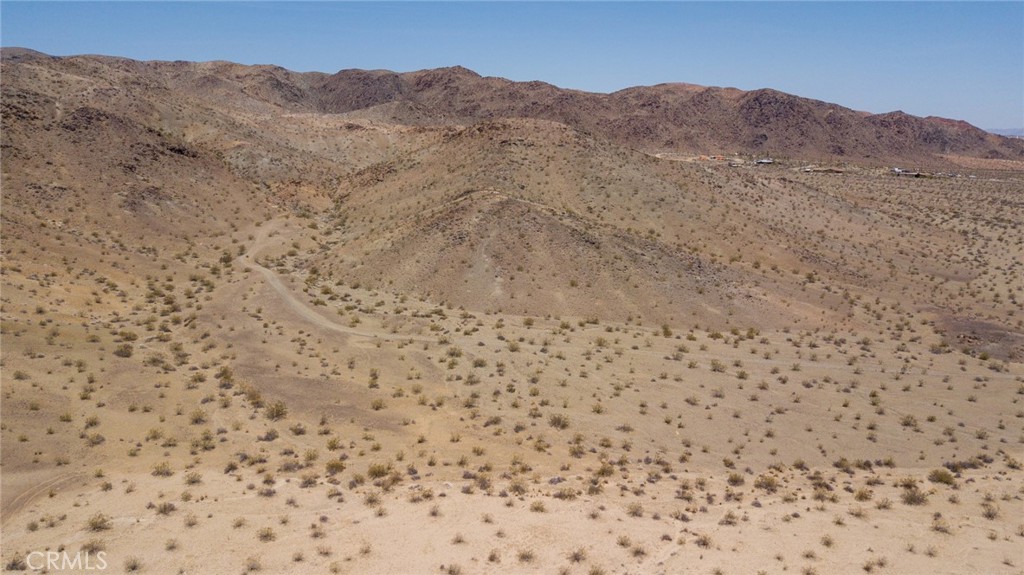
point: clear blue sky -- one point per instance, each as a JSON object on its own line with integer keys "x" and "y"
{"x": 962, "y": 60}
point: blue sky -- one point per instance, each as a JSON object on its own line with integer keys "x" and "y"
{"x": 962, "y": 60}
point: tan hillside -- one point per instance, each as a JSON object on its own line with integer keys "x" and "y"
{"x": 261, "y": 321}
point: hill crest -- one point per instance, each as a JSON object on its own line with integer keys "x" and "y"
{"x": 675, "y": 117}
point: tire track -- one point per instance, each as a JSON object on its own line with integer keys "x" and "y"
{"x": 301, "y": 308}
{"x": 19, "y": 503}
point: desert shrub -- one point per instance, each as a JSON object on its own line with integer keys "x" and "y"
{"x": 517, "y": 486}
{"x": 566, "y": 494}
{"x": 635, "y": 509}
{"x": 558, "y": 421}
{"x": 16, "y": 563}
{"x": 989, "y": 510}
{"x": 378, "y": 470}
{"x": 729, "y": 519}
{"x": 975, "y": 462}
{"x": 767, "y": 482}
{"x": 942, "y": 476}
{"x": 914, "y": 496}
{"x": 99, "y": 522}
{"x": 334, "y": 466}
{"x": 276, "y": 411}
{"x": 94, "y": 546}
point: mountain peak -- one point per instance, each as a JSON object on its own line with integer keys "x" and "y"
{"x": 460, "y": 71}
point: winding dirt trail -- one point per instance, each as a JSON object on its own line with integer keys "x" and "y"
{"x": 301, "y": 308}
{"x": 307, "y": 313}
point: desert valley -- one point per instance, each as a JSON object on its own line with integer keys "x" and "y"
{"x": 255, "y": 320}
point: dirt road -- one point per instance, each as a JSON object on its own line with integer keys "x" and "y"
{"x": 301, "y": 308}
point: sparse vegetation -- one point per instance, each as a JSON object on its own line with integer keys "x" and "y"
{"x": 250, "y": 312}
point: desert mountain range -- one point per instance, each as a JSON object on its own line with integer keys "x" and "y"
{"x": 442, "y": 178}
{"x": 666, "y": 117}
{"x": 255, "y": 319}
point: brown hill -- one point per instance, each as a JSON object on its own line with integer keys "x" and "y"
{"x": 539, "y": 216}
{"x": 665, "y": 117}
{"x": 490, "y": 209}
{"x": 678, "y": 117}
